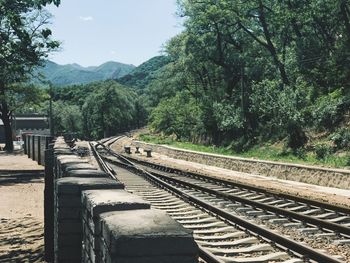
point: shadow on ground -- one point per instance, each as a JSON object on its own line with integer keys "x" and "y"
{"x": 21, "y": 240}
{"x": 15, "y": 152}
{"x": 8, "y": 179}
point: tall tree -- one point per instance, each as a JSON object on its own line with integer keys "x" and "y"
{"x": 108, "y": 110}
{"x": 24, "y": 41}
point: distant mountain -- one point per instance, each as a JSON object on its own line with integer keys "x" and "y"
{"x": 73, "y": 74}
{"x": 142, "y": 75}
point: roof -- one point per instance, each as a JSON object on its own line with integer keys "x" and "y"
{"x": 38, "y": 118}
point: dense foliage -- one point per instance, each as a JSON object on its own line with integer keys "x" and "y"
{"x": 141, "y": 76}
{"x": 244, "y": 72}
{"x": 25, "y": 40}
{"x": 96, "y": 110}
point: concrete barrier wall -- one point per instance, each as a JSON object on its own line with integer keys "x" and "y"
{"x": 36, "y": 145}
{"x": 24, "y": 138}
{"x": 36, "y": 149}
{"x": 30, "y": 144}
{"x": 339, "y": 178}
{"x": 44, "y": 145}
{"x": 90, "y": 218}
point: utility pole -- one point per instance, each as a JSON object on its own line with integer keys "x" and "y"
{"x": 52, "y": 128}
{"x": 243, "y": 114}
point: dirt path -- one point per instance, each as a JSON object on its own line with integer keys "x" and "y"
{"x": 21, "y": 211}
{"x": 17, "y": 162}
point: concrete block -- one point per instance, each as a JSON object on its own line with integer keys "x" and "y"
{"x": 43, "y": 148}
{"x": 146, "y": 233}
{"x": 33, "y": 147}
{"x": 49, "y": 205}
{"x": 69, "y": 239}
{"x": 68, "y": 201}
{"x": 68, "y": 227}
{"x": 74, "y": 185}
{"x": 96, "y": 202}
{"x": 29, "y": 146}
{"x": 63, "y": 157}
{"x": 36, "y": 150}
{"x": 68, "y": 195}
{"x": 60, "y": 145}
{"x": 62, "y": 163}
{"x": 68, "y": 254}
{"x": 24, "y": 138}
{"x": 64, "y": 152}
{"x": 85, "y": 173}
{"x": 101, "y": 201}
{"x": 80, "y": 166}
{"x": 154, "y": 259}
{"x": 69, "y": 213}
{"x": 70, "y": 159}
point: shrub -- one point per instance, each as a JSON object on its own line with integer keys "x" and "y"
{"x": 322, "y": 151}
{"x": 348, "y": 160}
{"x": 179, "y": 115}
{"x": 341, "y": 138}
{"x": 326, "y": 112}
{"x": 281, "y": 112}
{"x": 296, "y": 137}
{"x": 241, "y": 144}
{"x": 228, "y": 117}
{"x": 300, "y": 153}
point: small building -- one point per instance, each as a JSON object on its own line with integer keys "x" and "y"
{"x": 26, "y": 123}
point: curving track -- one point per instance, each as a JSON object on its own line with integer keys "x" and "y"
{"x": 213, "y": 209}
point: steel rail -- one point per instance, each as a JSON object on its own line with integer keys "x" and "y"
{"x": 207, "y": 256}
{"x": 323, "y": 205}
{"x": 280, "y": 211}
{"x": 104, "y": 167}
{"x": 284, "y": 242}
{"x": 113, "y": 140}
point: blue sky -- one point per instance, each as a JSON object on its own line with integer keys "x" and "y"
{"x": 128, "y": 31}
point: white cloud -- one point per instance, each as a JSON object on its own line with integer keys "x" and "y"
{"x": 113, "y": 52}
{"x": 86, "y": 18}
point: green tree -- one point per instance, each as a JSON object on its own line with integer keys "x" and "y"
{"x": 24, "y": 42}
{"x": 109, "y": 110}
{"x": 255, "y": 68}
{"x": 67, "y": 118}
{"x": 179, "y": 116}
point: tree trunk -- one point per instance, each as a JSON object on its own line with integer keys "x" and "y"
{"x": 345, "y": 16}
{"x": 270, "y": 46}
{"x": 8, "y": 132}
{"x": 5, "y": 117}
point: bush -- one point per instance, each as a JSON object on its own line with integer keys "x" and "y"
{"x": 341, "y": 138}
{"x": 296, "y": 137}
{"x": 322, "y": 151}
{"x": 280, "y": 112}
{"x": 348, "y": 160}
{"x": 241, "y": 144}
{"x": 300, "y": 153}
{"x": 179, "y": 116}
{"x": 326, "y": 112}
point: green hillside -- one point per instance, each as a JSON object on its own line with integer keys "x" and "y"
{"x": 141, "y": 76}
{"x": 74, "y": 74}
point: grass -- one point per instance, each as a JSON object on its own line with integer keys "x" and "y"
{"x": 262, "y": 152}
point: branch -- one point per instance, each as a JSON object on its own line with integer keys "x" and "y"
{"x": 253, "y": 36}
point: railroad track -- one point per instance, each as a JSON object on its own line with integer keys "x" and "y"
{"x": 206, "y": 207}
{"x": 309, "y": 216}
